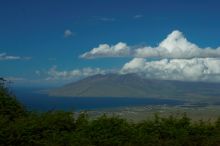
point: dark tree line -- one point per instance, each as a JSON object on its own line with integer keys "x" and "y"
{"x": 18, "y": 127}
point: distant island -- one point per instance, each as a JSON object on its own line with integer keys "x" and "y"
{"x": 132, "y": 85}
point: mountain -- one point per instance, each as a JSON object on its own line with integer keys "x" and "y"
{"x": 132, "y": 85}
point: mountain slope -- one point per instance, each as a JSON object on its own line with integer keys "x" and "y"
{"x": 132, "y": 85}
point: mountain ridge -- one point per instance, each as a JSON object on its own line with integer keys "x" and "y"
{"x": 132, "y": 85}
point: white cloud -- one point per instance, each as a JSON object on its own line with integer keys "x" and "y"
{"x": 55, "y": 74}
{"x": 174, "y": 46}
{"x": 68, "y": 33}
{"x": 177, "y": 46}
{"x": 105, "y": 50}
{"x": 196, "y": 69}
{"x": 4, "y": 56}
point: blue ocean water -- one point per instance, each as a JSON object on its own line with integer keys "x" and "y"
{"x": 42, "y": 102}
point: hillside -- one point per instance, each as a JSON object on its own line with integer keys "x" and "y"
{"x": 132, "y": 85}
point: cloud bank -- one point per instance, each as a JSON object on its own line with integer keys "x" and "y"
{"x": 178, "y": 47}
{"x": 54, "y": 74}
{"x": 105, "y": 50}
{"x": 5, "y": 57}
{"x": 196, "y": 69}
{"x": 175, "y": 46}
{"x": 177, "y": 59}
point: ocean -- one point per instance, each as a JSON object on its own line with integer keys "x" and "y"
{"x": 35, "y": 101}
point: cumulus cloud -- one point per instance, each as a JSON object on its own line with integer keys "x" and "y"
{"x": 4, "y": 57}
{"x": 55, "y": 74}
{"x": 196, "y": 69}
{"x": 105, "y": 50}
{"x": 174, "y": 46}
{"x": 68, "y": 33}
{"x": 177, "y": 46}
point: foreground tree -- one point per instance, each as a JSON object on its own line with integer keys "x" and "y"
{"x": 9, "y": 106}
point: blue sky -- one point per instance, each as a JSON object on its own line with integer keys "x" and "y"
{"x": 34, "y": 31}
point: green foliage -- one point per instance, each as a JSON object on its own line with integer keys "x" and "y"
{"x": 108, "y": 131}
{"x": 9, "y": 106}
{"x": 62, "y": 129}
{"x": 58, "y": 128}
